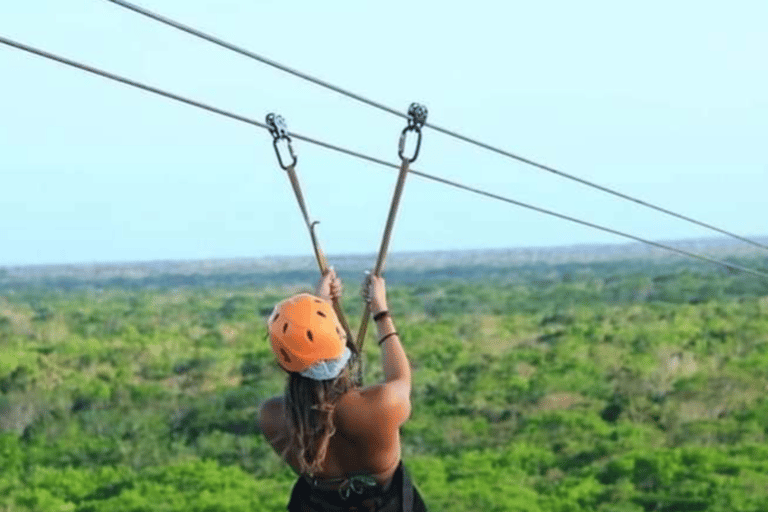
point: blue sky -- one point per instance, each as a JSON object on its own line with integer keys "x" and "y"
{"x": 666, "y": 101}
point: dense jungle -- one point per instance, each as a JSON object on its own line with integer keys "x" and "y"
{"x": 616, "y": 386}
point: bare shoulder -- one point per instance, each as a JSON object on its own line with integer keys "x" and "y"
{"x": 379, "y": 408}
{"x": 272, "y": 417}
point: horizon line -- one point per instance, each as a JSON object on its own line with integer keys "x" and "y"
{"x": 630, "y": 247}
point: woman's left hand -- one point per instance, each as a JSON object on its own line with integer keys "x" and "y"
{"x": 329, "y": 287}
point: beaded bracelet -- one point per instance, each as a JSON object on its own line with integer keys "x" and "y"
{"x": 382, "y": 340}
{"x": 381, "y": 314}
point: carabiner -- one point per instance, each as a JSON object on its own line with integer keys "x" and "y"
{"x": 417, "y": 117}
{"x": 401, "y": 144}
{"x": 290, "y": 151}
{"x": 279, "y": 130}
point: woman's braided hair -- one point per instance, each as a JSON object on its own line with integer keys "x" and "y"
{"x": 309, "y": 406}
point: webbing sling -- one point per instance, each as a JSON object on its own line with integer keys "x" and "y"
{"x": 277, "y": 127}
{"x": 417, "y": 116}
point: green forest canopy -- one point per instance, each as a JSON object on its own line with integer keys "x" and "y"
{"x": 615, "y": 386}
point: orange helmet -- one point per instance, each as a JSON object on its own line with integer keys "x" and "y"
{"x": 303, "y": 330}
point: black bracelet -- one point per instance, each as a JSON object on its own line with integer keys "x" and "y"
{"x": 382, "y": 340}
{"x": 381, "y": 314}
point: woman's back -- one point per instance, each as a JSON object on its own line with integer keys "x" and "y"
{"x": 367, "y": 437}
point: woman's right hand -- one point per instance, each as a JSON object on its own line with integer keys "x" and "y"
{"x": 329, "y": 287}
{"x": 375, "y": 293}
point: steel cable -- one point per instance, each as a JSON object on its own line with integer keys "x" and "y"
{"x": 216, "y": 110}
{"x": 322, "y": 83}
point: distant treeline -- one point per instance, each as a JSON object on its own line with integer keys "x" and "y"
{"x": 670, "y": 280}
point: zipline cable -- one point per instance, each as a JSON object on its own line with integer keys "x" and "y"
{"x": 215, "y": 110}
{"x": 264, "y": 60}
{"x": 127, "y": 81}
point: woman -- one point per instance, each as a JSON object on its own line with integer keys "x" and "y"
{"x": 343, "y": 441}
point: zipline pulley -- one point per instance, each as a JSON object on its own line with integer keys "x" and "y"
{"x": 279, "y": 130}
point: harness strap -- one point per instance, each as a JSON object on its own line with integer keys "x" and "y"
{"x": 321, "y": 261}
{"x": 380, "y": 260}
{"x": 400, "y": 495}
{"x": 417, "y": 116}
{"x": 407, "y": 491}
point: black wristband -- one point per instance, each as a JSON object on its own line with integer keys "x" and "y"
{"x": 382, "y": 340}
{"x": 381, "y": 314}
